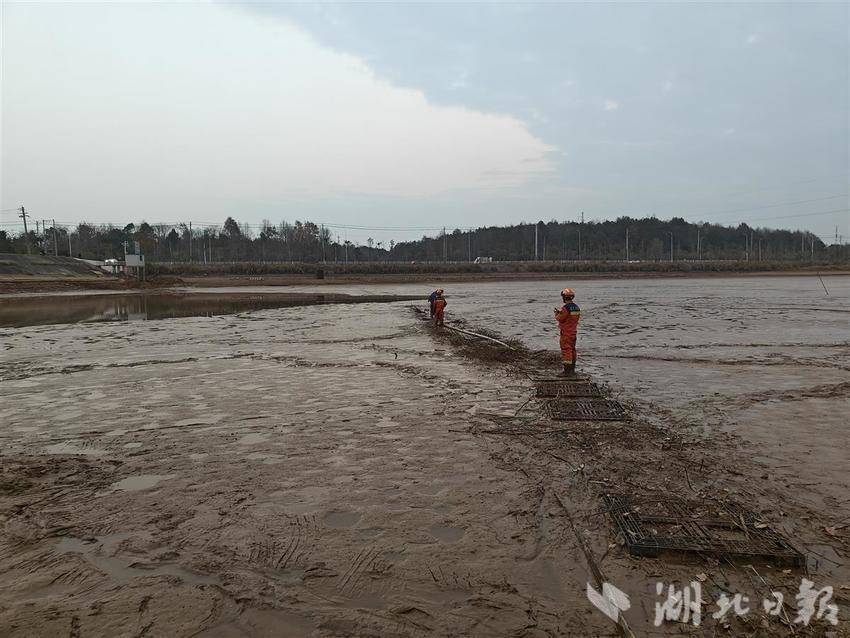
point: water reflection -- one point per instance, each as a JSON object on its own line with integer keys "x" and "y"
{"x": 37, "y": 311}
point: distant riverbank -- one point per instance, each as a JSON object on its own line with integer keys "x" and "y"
{"x": 12, "y": 284}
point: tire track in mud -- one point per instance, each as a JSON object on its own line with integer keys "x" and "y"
{"x": 362, "y": 563}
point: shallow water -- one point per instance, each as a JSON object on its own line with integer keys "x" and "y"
{"x": 48, "y": 309}
{"x": 101, "y": 554}
{"x": 140, "y": 482}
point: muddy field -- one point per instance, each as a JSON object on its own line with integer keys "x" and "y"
{"x": 346, "y": 471}
{"x": 17, "y": 310}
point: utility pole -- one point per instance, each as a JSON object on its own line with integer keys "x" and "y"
{"x": 746, "y": 247}
{"x": 813, "y": 247}
{"x": 445, "y": 245}
{"x": 627, "y": 245}
{"x": 579, "y": 235}
{"x": 55, "y": 241}
{"x": 671, "y": 245}
{"x": 469, "y": 244}
{"x": 535, "y": 242}
{"x": 70, "y": 252}
{"x": 322, "y": 240}
{"x": 699, "y": 247}
{"x": 24, "y": 216}
{"x": 759, "y": 248}
{"x": 190, "y": 242}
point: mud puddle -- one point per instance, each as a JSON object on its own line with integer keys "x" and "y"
{"x": 16, "y": 312}
{"x": 140, "y": 482}
{"x": 101, "y": 553}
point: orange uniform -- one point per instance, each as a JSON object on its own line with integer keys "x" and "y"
{"x": 568, "y": 318}
{"x": 439, "y": 310}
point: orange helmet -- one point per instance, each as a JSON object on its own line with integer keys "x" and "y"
{"x": 568, "y": 293}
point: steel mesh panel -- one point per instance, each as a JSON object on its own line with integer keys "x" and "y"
{"x": 688, "y": 534}
{"x": 586, "y": 410}
{"x": 565, "y": 389}
{"x": 577, "y": 378}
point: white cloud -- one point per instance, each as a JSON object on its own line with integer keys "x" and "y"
{"x": 244, "y": 109}
{"x": 611, "y": 105}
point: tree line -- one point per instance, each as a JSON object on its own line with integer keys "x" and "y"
{"x": 623, "y": 239}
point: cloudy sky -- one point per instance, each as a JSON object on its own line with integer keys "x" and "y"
{"x": 417, "y": 116}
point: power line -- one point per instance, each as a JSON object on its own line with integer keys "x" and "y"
{"x": 207, "y": 225}
{"x": 823, "y": 212}
{"x": 743, "y": 210}
{"x": 783, "y": 185}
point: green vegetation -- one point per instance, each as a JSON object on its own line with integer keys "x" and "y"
{"x": 286, "y": 248}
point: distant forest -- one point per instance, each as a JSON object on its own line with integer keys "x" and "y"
{"x": 647, "y": 239}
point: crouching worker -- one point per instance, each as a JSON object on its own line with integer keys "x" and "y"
{"x": 439, "y": 308}
{"x": 568, "y": 317}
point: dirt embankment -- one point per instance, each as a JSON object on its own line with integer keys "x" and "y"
{"x": 47, "y": 266}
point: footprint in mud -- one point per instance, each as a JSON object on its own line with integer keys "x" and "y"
{"x": 266, "y": 459}
{"x": 446, "y": 534}
{"x": 341, "y": 520}
{"x": 369, "y": 533}
{"x": 71, "y": 448}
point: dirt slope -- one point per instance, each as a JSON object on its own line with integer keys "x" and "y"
{"x": 46, "y": 265}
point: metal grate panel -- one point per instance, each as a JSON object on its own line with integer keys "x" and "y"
{"x": 574, "y": 378}
{"x": 734, "y": 533}
{"x": 586, "y": 410}
{"x": 567, "y": 389}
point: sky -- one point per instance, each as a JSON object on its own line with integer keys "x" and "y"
{"x": 405, "y": 118}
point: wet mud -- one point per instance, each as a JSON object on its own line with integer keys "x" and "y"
{"x": 348, "y": 470}
{"x": 29, "y": 310}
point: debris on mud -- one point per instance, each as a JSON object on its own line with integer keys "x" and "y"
{"x": 648, "y": 461}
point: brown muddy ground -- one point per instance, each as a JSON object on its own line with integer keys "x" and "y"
{"x": 342, "y": 470}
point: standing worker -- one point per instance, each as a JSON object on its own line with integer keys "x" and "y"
{"x": 568, "y": 317}
{"x": 433, "y": 298}
{"x": 439, "y": 308}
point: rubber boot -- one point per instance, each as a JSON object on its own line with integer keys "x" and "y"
{"x": 569, "y": 369}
